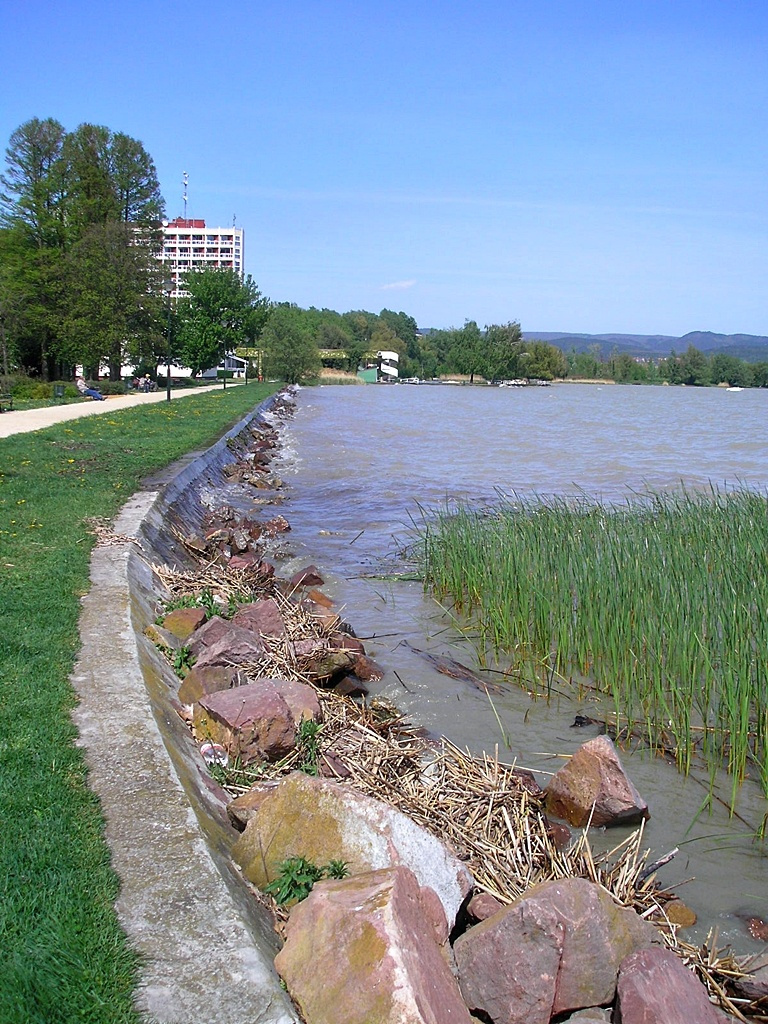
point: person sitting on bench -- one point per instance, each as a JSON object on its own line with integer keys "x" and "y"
{"x": 84, "y": 390}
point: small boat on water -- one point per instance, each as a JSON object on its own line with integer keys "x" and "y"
{"x": 734, "y": 389}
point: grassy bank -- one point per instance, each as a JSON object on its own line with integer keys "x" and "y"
{"x": 660, "y": 604}
{"x": 64, "y": 957}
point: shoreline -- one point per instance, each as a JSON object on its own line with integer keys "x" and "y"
{"x": 159, "y": 676}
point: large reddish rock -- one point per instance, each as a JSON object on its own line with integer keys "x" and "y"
{"x": 599, "y": 933}
{"x": 253, "y": 722}
{"x": 344, "y": 642}
{"x": 214, "y": 629}
{"x": 363, "y": 950}
{"x": 324, "y": 820}
{"x": 235, "y": 647}
{"x": 594, "y": 776}
{"x": 482, "y": 906}
{"x": 573, "y": 920}
{"x": 182, "y": 622}
{"x": 309, "y": 577}
{"x": 200, "y": 681}
{"x": 508, "y": 964}
{"x": 655, "y": 988}
{"x": 366, "y": 669}
{"x": 278, "y": 524}
{"x": 261, "y": 617}
{"x": 300, "y": 698}
{"x": 247, "y": 560}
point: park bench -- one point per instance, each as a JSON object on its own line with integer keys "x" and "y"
{"x": 6, "y": 403}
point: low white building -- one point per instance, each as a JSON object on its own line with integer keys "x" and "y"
{"x": 231, "y": 366}
{"x": 388, "y": 365}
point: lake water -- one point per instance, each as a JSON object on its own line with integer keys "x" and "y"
{"x": 360, "y": 461}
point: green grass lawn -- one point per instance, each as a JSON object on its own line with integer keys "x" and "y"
{"x": 63, "y": 956}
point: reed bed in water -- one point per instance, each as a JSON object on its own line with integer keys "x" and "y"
{"x": 661, "y": 603}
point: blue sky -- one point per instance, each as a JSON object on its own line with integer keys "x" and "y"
{"x": 592, "y": 165}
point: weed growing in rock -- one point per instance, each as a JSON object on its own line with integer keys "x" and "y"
{"x": 336, "y": 869}
{"x": 308, "y": 745}
{"x": 235, "y": 602}
{"x": 182, "y": 661}
{"x": 298, "y": 876}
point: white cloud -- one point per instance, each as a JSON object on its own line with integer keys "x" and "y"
{"x": 398, "y": 286}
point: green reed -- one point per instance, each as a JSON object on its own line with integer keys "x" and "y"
{"x": 660, "y": 602}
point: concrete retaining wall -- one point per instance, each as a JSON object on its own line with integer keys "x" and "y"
{"x": 207, "y": 949}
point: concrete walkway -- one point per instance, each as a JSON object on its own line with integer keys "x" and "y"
{"x": 206, "y": 948}
{"x": 202, "y": 957}
{"x": 23, "y": 421}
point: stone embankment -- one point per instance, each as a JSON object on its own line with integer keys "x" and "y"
{"x": 442, "y": 892}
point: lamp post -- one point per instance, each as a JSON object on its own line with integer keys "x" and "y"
{"x": 168, "y": 289}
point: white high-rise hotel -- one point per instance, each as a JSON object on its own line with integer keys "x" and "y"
{"x": 190, "y": 245}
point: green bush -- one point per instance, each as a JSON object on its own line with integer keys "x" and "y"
{"x": 110, "y": 387}
{"x": 27, "y": 388}
{"x": 32, "y": 389}
{"x": 70, "y": 390}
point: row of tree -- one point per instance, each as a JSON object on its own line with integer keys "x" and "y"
{"x": 692, "y": 368}
{"x": 345, "y": 340}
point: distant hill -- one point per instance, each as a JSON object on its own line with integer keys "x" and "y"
{"x": 751, "y": 347}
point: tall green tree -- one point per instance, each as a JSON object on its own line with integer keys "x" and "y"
{"x": 290, "y": 354}
{"x": 55, "y": 188}
{"x": 91, "y": 196}
{"x": 12, "y": 309}
{"x": 220, "y": 314}
{"x": 730, "y": 370}
{"x": 404, "y": 326}
{"x": 503, "y": 348}
{"x": 695, "y": 368}
{"x": 33, "y": 186}
{"x": 112, "y": 306}
{"x": 542, "y": 361}
{"x": 134, "y": 180}
{"x": 467, "y": 352}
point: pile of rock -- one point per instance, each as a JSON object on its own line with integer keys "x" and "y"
{"x": 246, "y": 682}
{"x": 375, "y": 946}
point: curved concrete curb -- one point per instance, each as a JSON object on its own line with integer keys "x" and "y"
{"x": 207, "y": 952}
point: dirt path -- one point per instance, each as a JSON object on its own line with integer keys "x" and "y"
{"x": 26, "y": 420}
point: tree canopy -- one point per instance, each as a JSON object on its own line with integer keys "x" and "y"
{"x": 62, "y": 194}
{"x": 221, "y": 313}
{"x": 290, "y": 352}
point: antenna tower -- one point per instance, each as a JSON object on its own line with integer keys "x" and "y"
{"x": 185, "y": 183}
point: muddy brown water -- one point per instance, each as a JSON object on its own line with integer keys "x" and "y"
{"x": 359, "y": 462}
